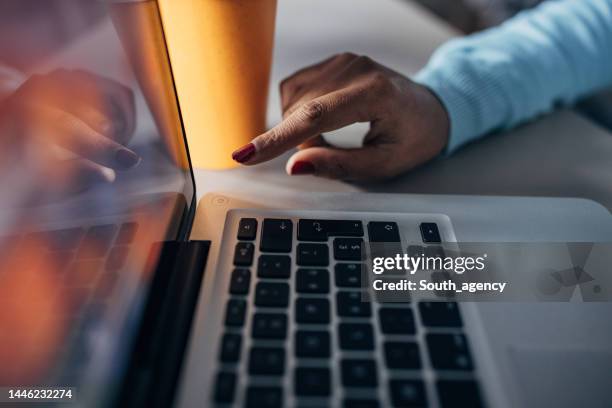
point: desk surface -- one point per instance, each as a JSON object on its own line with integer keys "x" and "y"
{"x": 562, "y": 155}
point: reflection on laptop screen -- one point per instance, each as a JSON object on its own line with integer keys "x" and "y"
{"x": 93, "y": 171}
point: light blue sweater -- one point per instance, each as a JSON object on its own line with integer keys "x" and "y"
{"x": 542, "y": 59}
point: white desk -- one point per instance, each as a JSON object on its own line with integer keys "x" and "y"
{"x": 562, "y": 155}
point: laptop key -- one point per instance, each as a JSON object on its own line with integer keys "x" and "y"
{"x": 127, "y": 233}
{"x": 271, "y": 294}
{"x": 269, "y": 326}
{"x": 396, "y": 321}
{"x": 63, "y": 240}
{"x": 312, "y": 382}
{"x": 225, "y": 387}
{"x": 313, "y": 311}
{"x": 458, "y": 394}
{"x": 449, "y": 351}
{"x": 97, "y": 241}
{"x": 348, "y": 249}
{"x": 440, "y": 314}
{"x": 356, "y": 336}
{"x": 267, "y": 361}
{"x": 360, "y": 403}
{"x": 359, "y": 373}
{"x": 349, "y": 304}
{"x": 276, "y": 235}
{"x": 234, "y": 315}
{"x": 383, "y": 232}
{"x": 247, "y": 229}
{"x": 313, "y": 344}
{"x": 312, "y": 281}
{"x": 430, "y": 232}
{"x": 320, "y": 230}
{"x": 402, "y": 355}
{"x": 348, "y": 275}
{"x": 230, "y": 348}
{"x": 274, "y": 266}
{"x": 243, "y": 254}
{"x": 240, "y": 281}
{"x": 408, "y": 393}
{"x": 264, "y": 397}
{"x": 312, "y": 255}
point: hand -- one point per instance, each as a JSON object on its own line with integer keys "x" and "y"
{"x": 408, "y": 124}
{"x": 91, "y": 117}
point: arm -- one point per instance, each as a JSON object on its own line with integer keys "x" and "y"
{"x": 542, "y": 59}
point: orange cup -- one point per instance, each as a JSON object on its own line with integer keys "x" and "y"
{"x": 221, "y": 56}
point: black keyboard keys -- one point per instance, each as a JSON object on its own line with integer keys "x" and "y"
{"x": 312, "y": 311}
{"x": 402, "y": 355}
{"x": 312, "y": 344}
{"x": 247, "y": 229}
{"x": 274, "y": 266}
{"x": 234, "y": 315}
{"x": 359, "y": 373}
{"x": 408, "y": 393}
{"x": 271, "y": 294}
{"x": 312, "y": 382}
{"x": 264, "y": 397}
{"x": 243, "y": 254}
{"x": 440, "y": 314}
{"x": 396, "y": 321}
{"x": 449, "y": 351}
{"x": 269, "y": 326}
{"x": 360, "y": 403}
{"x": 276, "y": 235}
{"x": 225, "y": 387}
{"x": 267, "y": 361}
{"x": 240, "y": 281}
{"x": 348, "y": 275}
{"x": 320, "y": 230}
{"x": 348, "y": 249}
{"x": 312, "y": 281}
{"x": 429, "y": 232}
{"x": 383, "y": 232}
{"x": 458, "y": 394}
{"x": 349, "y": 304}
{"x": 356, "y": 336}
{"x": 312, "y": 255}
{"x": 230, "y": 348}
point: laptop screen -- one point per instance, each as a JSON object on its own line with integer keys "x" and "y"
{"x": 93, "y": 171}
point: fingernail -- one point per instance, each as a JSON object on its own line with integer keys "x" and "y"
{"x": 126, "y": 159}
{"x": 108, "y": 175}
{"x": 300, "y": 168}
{"x": 243, "y": 154}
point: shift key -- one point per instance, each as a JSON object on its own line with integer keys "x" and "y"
{"x": 276, "y": 235}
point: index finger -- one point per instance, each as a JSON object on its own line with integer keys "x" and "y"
{"x": 323, "y": 114}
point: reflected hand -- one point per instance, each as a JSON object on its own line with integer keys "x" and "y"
{"x": 408, "y": 124}
{"x": 90, "y": 116}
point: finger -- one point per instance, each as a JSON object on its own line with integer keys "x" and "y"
{"x": 104, "y": 104}
{"x": 294, "y": 86}
{"x": 366, "y": 164}
{"x": 323, "y": 114}
{"x": 77, "y": 175}
{"x": 317, "y": 141}
{"x": 70, "y": 132}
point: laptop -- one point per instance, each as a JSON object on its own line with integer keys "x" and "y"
{"x": 135, "y": 294}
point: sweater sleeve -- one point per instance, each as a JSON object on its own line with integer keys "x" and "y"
{"x": 544, "y": 58}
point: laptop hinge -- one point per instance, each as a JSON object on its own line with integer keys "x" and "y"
{"x": 158, "y": 352}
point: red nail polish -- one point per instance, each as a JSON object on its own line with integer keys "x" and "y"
{"x": 302, "y": 168}
{"x": 244, "y": 153}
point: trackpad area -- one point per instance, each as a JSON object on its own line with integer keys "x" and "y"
{"x": 563, "y": 378}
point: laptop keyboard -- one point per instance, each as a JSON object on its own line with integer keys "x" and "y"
{"x": 296, "y": 331}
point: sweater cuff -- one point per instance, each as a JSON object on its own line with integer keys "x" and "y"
{"x": 453, "y": 91}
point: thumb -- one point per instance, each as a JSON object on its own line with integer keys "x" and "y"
{"x": 367, "y": 163}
